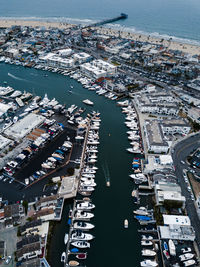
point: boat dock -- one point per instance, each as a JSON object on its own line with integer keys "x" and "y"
{"x": 122, "y": 16}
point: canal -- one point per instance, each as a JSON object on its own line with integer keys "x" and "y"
{"x": 113, "y": 245}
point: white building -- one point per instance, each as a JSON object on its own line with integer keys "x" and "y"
{"x": 176, "y": 220}
{"x": 175, "y": 127}
{"x": 24, "y": 126}
{"x": 177, "y": 232}
{"x": 82, "y": 57}
{"x": 164, "y": 197}
{"x": 154, "y": 137}
{"x": 98, "y": 68}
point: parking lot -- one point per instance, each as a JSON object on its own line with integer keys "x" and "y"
{"x": 9, "y": 235}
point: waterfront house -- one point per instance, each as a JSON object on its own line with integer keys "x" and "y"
{"x": 29, "y": 247}
{"x": 154, "y": 137}
{"x": 13, "y": 214}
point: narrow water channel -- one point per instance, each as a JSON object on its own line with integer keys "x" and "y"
{"x": 113, "y": 245}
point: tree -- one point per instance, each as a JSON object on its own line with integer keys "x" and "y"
{"x": 25, "y": 205}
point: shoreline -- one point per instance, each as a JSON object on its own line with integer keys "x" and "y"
{"x": 192, "y": 49}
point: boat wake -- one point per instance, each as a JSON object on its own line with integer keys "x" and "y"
{"x": 106, "y": 172}
{"x": 15, "y": 77}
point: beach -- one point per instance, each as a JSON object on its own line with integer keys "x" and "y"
{"x": 34, "y": 23}
{"x": 170, "y": 44}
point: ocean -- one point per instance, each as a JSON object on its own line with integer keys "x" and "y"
{"x": 176, "y": 19}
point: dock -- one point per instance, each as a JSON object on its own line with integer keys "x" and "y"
{"x": 122, "y": 16}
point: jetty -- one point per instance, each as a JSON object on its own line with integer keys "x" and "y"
{"x": 122, "y": 16}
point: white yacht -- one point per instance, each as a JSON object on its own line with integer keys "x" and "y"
{"x": 141, "y": 211}
{"x": 146, "y": 243}
{"x": 186, "y": 256}
{"x": 83, "y": 225}
{"x": 81, "y": 244}
{"x": 172, "y": 248}
{"x": 189, "y": 262}
{"x": 80, "y": 236}
{"x": 144, "y": 237}
{"x": 148, "y": 252}
{"x": 5, "y": 90}
{"x": 44, "y": 101}
{"x": 88, "y": 183}
{"x": 63, "y": 257}
{"x": 85, "y": 206}
{"x": 148, "y": 263}
{"x": 81, "y": 215}
{"x": 88, "y": 102}
{"x": 16, "y": 94}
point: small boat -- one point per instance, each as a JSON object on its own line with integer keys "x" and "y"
{"x": 108, "y": 183}
{"x": 172, "y": 248}
{"x": 148, "y": 252}
{"x": 74, "y": 250}
{"x": 83, "y": 225}
{"x": 85, "y": 206}
{"x": 148, "y": 263}
{"x": 189, "y": 262}
{"x": 81, "y": 244}
{"x": 81, "y": 256}
{"x": 185, "y": 250}
{"x": 88, "y": 102}
{"x": 166, "y": 253}
{"x": 146, "y": 243}
{"x": 144, "y": 237}
{"x": 186, "y": 256}
{"x": 125, "y": 223}
{"x": 73, "y": 263}
{"x": 141, "y": 211}
{"x": 63, "y": 257}
{"x": 80, "y": 236}
{"x": 66, "y": 238}
{"x": 165, "y": 246}
{"x": 81, "y": 215}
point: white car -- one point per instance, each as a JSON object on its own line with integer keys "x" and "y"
{"x": 7, "y": 261}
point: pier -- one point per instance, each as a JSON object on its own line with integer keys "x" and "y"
{"x": 122, "y": 16}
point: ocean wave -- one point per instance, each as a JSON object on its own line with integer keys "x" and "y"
{"x": 130, "y": 29}
{"x": 53, "y": 19}
{"x": 153, "y": 34}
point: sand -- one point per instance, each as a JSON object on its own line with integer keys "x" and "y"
{"x": 174, "y": 45}
{"x": 33, "y": 23}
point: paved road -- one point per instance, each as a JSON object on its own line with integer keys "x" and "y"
{"x": 180, "y": 153}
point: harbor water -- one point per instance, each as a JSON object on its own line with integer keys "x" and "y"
{"x": 113, "y": 245}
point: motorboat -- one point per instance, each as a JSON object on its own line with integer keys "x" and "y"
{"x": 166, "y": 253}
{"x": 172, "y": 248}
{"x": 81, "y": 215}
{"x": 44, "y": 101}
{"x": 15, "y": 119}
{"x": 144, "y": 237}
{"x": 148, "y": 263}
{"x": 5, "y": 90}
{"x": 186, "y": 256}
{"x": 80, "y": 236}
{"x": 125, "y": 223}
{"x": 16, "y": 94}
{"x": 63, "y": 257}
{"x": 146, "y": 243}
{"x": 148, "y": 252}
{"x": 66, "y": 238}
{"x": 73, "y": 263}
{"x": 81, "y": 244}
{"x": 88, "y": 183}
{"x": 185, "y": 250}
{"x": 83, "y": 225}
{"x": 81, "y": 256}
{"x": 85, "y": 206}
{"x": 189, "y": 262}
{"x": 141, "y": 211}
{"x": 86, "y": 188}
{"x": 165, "y": 246}
{"x": 88, "y": 102}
